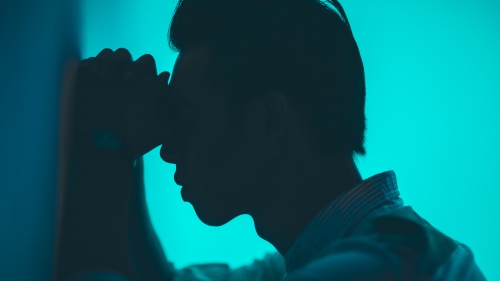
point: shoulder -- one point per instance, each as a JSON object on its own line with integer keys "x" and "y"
{"x": 398, "y": 245}
{"x": 270, "y": 268}
{"x": 357, "y": 263}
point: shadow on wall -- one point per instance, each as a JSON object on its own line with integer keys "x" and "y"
{"x": 38, "y": 39}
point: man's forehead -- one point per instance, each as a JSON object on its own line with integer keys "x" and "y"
{"x": 190, "y": 72}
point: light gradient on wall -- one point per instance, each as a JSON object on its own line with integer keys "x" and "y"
{"x": 37, "y": 38}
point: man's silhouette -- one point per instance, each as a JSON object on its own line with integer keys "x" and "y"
{"x": 263, "y": 116}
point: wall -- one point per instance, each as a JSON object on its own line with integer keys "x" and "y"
{"x": 37, "y": 39}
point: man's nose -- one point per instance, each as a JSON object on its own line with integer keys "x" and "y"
{"x": 170, "y": 141}
{"x": 167, "y": 155}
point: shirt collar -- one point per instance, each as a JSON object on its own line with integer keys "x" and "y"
{"x": 339, "y": 218}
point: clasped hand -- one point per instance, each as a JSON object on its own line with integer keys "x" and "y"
{"x": 127, "y": 98}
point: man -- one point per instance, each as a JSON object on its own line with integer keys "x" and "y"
{"x": 263, "y": 116}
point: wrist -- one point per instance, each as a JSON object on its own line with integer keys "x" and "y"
{"x": 96, "y": 213}
{"x": 108, "y": 175}
{"x": 97, "y": 158}
{"x": 105, "y": 144}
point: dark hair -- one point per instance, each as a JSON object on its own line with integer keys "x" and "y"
{"x": 303, "y": 48}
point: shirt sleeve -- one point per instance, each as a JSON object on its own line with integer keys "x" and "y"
{"x": 270, "y": 268}
{"x": 355, "y": 264}
{"x": 461, "y": 266}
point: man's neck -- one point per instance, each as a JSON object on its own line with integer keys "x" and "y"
{"x": 302, "y": 194}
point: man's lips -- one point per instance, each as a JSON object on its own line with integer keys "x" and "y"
{"x": 179, "y": 180}
{"x": 184, "y": 193}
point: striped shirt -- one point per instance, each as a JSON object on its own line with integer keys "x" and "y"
{"x": 374, "y": 195}
{"x": 352, "y": 259}
{"x": 334, "y": 224}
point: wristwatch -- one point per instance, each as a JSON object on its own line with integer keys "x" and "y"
{"x": 109, "y": 143}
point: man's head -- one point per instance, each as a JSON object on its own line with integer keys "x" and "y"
{"x": 267, "y": 81}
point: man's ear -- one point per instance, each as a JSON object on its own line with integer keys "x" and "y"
{"x": 276, "y": 114}
{"x": 267, "y": 121}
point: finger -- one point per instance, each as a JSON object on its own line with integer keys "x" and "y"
{"x": 121, "y": 60}
{"x": 164, "y": 105}
{"x": 84, "y": 69}
{"x": 85, "y": 64}
{"x": 162, "y": 80}
{"x": 113, "y": 64}
{"x": 141, "y": 69}
{"x": 164, "y": 99}
{"x": 100, "y": 67}
{"x": 105, "y": 53}
{"x": 145, "y": 65}
{"x": 122, "y": 54}
{"x": 161, "y": 85}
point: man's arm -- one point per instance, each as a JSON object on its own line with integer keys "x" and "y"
{"x": 105, "y": 225}
{"x": 95, "y": 218}
{"x": 147, "y": 252}
{"x": 112, "y": 93}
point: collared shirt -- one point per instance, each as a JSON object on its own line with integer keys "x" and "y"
{"x": 353, "y": 259}
{"x": 376, "y": 194}
{"x": 333, "y": 225}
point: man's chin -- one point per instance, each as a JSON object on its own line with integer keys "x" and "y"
{"x": 213, "y": 217}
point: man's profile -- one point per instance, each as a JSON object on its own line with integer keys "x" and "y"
{"x": 263, "y": 116}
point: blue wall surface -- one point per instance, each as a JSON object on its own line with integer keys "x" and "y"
{"x": 432, "y": 109}
{"x": 37, "y": 39}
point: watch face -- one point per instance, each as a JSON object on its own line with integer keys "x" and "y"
{"x": 106, "y": 140}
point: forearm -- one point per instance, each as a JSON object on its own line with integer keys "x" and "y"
{"x": 95, "y": 218}
{"x": 147, "y": 252}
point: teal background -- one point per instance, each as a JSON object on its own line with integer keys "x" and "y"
{"x": 432, "y": 109}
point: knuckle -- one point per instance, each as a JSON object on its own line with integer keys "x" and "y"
{"x": 164, "y": 76}
{"x": 148, "y": 57}
{"x": 146, "y": 63}
{"x": 85, "y": 65}
{"x": 105, "y": 53}
{"x": 86, "y": 62}
{"x": 123, "y": 53}
{"x": 146, "y": 60}
{"x": 143, "y": 67}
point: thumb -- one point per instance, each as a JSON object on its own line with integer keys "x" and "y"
{"x": 162, "y": 81}
{"x": 161, "y": 84}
